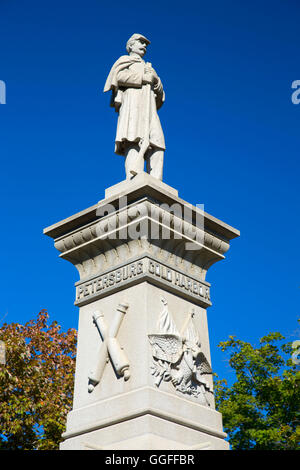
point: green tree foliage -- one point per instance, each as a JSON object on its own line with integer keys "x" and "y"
{"x": 261, "y": 408}
{"x": 36, "y": 383}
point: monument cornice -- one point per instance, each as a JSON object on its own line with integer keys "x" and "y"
{"x": 102, "y": 240}
{"x": 140, "y": 187}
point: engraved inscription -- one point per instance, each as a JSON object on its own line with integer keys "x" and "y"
{"x": 178, "y": 279}
{"x": 109, "y": 280}
{"x": 133, "y": 270}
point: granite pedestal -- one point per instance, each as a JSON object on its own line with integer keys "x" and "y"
{"x": 142, "y": 254}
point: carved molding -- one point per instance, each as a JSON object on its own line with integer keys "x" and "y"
{"x": 110, "y": 225}
{"x": 98, "y": 246}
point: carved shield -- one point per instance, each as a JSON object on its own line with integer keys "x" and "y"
{"x": 166, "y": 347}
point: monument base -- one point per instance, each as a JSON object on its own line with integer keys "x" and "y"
{"x": 143, "y": 378}
{"x": 146, "y": 419}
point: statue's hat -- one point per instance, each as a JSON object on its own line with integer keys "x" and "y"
{"x": 139, "y": 36}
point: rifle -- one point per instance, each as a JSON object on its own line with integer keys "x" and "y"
{"x": 145, "y": 140}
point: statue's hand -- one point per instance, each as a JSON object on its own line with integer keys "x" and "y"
{"x": 148, "y": 68}
{"x": 148, "y": 78}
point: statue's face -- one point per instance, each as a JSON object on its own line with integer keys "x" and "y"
{"x": 139, "y": 47}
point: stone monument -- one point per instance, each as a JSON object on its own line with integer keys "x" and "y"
{"x": 143, "y": 375}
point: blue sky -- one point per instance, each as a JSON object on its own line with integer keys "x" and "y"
{"x": 232, "y": 136}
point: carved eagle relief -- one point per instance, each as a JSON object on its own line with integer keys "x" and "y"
{"x": 166, "y": 347}
{"x": 177, "y": 356}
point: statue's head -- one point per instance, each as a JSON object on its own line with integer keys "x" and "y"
{"x": 137, "y": 44}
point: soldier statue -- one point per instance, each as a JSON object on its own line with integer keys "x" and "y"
{"x": 137, "y": 94}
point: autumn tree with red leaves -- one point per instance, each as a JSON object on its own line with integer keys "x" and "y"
{"x": 36, "y": 383}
